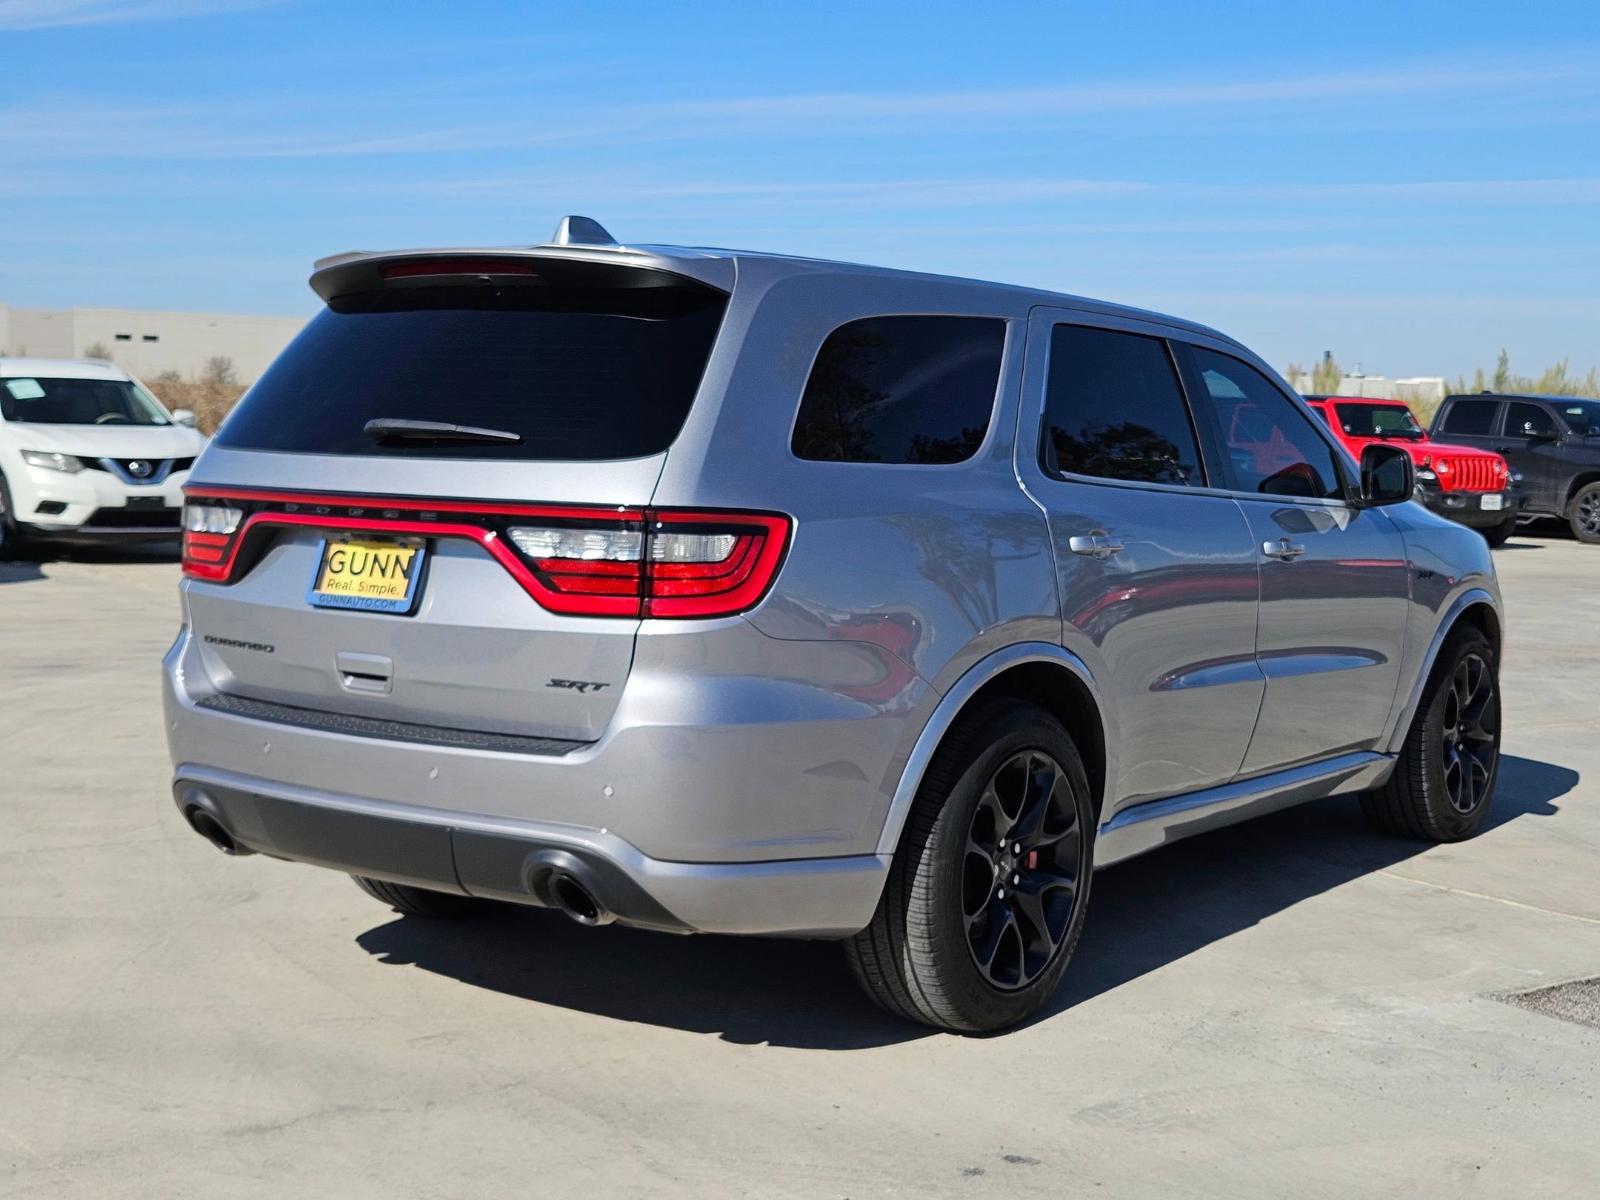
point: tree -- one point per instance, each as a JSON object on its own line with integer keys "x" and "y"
{"x": 220, "y": 373}
{"x": 1502, "y": 372}
{"x": 97, "y": 350}
{"x": 1326, "y": 376}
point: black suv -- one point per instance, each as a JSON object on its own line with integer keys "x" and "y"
{"x": 1552, "y": 441}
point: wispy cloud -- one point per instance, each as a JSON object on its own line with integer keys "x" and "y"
{"x": 397, "y": 124}
{"x": 58, "y": 14}
{"x": 1098, "y": 97}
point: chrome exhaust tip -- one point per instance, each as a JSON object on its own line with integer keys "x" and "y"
{"x": 213, "y": 831}
{"x": 567, "y": 894}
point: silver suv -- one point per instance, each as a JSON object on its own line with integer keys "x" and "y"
{"x": 711, "y": 591}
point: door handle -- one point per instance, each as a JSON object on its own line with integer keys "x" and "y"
{"x": 1098, "y": 544}
{"x": 1283, "y": 550}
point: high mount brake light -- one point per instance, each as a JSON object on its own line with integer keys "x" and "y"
{"x": 431, "y": 267}
{"x": 575, "y": 560}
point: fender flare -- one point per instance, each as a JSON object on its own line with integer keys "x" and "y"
{"x": 1452, "y": 614}
{"x": 950, "y": 707}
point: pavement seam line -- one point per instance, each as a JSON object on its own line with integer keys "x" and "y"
{"x": 1444, "y": 887}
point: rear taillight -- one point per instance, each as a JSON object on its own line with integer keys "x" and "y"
{"x": 710, "y": 564}
{"x": 678, "y": 564}
{"x": 586, "y": 567}
{"x": 208, "y": 532}
{"x": 574, "y": 560}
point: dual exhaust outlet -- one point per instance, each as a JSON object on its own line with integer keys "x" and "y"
{"x": 552, "y": 881}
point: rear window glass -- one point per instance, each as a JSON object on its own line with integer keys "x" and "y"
{"x": 572, "y": 373}
{"x": 1469, "y": 416}
{"x": 901, "y": 390}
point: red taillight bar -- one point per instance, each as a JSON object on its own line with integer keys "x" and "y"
{"x": 571, "y": 586}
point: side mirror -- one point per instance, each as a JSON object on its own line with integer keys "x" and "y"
{"x": 185, "y": 416}
{"x": 1388, "y": 476}
{"x": 1539, "y": 435}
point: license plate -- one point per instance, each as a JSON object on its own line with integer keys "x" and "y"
{"x": 1493, "y": 503}
{"x": 372, "y": 574}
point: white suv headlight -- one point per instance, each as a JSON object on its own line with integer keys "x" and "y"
{"x": 52, "y": 460}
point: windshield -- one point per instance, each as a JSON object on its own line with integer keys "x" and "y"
{"x": 1379, "y": 421}
{"x": 1582, "y": 416}
{"x": 40, "y": 401}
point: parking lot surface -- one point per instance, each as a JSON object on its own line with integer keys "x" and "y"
{"x": 1294, "y": 1006}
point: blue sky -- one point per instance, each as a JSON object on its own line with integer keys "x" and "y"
{"x": 1412, "y": 185}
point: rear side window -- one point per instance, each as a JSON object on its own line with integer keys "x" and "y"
{"x": 1470, "y": 417}
{"x": 570, "y": 373}
{"x": 1270, "y": 448}
{"x": 1114, "y": 409}
{"x": 901, "y": 390}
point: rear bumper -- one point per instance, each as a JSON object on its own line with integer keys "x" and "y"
{"x": 712, "y": 803}
{"x": 1467, "y": 507}
{"x": 513, "y": 860}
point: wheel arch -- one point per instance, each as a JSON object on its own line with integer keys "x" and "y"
{"x": 1580, "y": 480}
{"x": 1475, "y": 608}
{"x": 1051, "y": 677}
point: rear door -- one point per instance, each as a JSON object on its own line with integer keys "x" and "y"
{"x": 527, "y": 421}
{"x": 1157, "y": 574}
{"x": 1334, "y": 579}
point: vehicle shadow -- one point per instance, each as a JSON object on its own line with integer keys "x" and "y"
{"x": 20, "y": 571}
{"x": 1159, "y": 908}
{"x": 1145, "y": 914}
{"x": 155, "y": 550}
{"x": 29, "y": 564}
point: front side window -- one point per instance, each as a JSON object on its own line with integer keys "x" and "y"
{"x": 1379, "y": 421}
{"x": 1268, "y": 445}
{"x": 43, "y": 401}
{"x": 1528, "y": 420}
{"x": 1473, "y": 418}
{"x": 1582, "y": 416}
{"x": 1114, "y": 409}
{"x": 901, "y": 390}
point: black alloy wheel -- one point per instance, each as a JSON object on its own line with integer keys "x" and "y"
{"x": 1020, "y": 875}
{"x": 1470, "y": 740}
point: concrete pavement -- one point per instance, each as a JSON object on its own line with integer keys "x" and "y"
{"x": 1291, "y": 1007}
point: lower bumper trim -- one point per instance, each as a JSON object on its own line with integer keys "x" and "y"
{"x": 513, "y": 860}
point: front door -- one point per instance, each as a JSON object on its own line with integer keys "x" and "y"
{"x": 1531, "y": 443}
{"x": 1157, "y": 574}
{"x": 1334, "y": 578}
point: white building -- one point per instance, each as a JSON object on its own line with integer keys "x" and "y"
{"x": 1424, "y": 389}
{"x": 146, "y": 343}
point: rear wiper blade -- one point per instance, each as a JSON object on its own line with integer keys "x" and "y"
{"x": 385, "y": 428}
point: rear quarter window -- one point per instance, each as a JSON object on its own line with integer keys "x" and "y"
{"x": 901, "y": 389}
{"x": 1469, "y": 417}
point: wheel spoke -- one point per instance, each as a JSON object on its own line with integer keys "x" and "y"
{"x": 1452, "y": 778}
{"x": 986, "y": 933}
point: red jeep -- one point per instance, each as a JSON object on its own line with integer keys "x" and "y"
{"x": 1476, "y": 487}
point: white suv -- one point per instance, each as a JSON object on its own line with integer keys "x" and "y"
{"x": 87, "y": 452}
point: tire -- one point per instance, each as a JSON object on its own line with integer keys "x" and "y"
{"x": 420, "y": 902}
{"x": 1005, "y": 768}
{"x": 1443, "y": 783}
{"x": 1496, "y": 535}
{"x": 12, "y": 543}
{"x": 1583, "y": 514}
